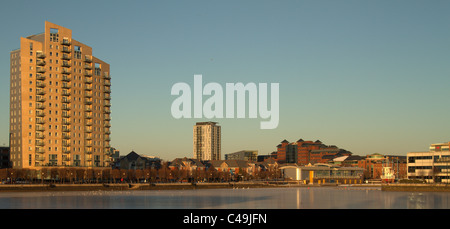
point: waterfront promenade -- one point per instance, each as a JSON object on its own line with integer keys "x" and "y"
{"x": 187, "y": 186}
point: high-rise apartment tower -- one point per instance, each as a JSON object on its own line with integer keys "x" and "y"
{"x": 207, "y": 141}
{"x": 60, "y": 101}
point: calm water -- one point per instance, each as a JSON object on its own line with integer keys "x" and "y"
{"x": 264, "y": 198}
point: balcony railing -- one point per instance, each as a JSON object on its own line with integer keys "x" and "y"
{"x": 65, "y": 93}
{"x": 106, "y": 83}
{"x": 65, "y": 107}
{"x": 66, "y": 78}
{"x": 106, "y": 76}
{"x": 66, "y": 128}
{"x": 40, "y": 84}
{"x": 66, "y": 64}
{"x": 65, "y": 99}
{"x": 40, "y": 77}
{"x": 40, "y": 70}
{"x": 40, "y": 62}
{"x": 65, "y": 42}
{"x": 66, "y": 85}
{"x": 66, "y": 49}
{"x": 40, "y": 113}
{"x": 40, "y": 55}
{"x": 88, "y": 58}
{"x": 88, "y": 80}
{"x": 66, "y": 57}
{"x": 40, "y": 128}
{"x": 88, "y": 87}
{"x": 65, "y": 71}
{"x": 40, "y": 106}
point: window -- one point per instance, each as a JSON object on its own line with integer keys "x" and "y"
{"x": 77, "y": 52}
{"x": 54, "y": 36}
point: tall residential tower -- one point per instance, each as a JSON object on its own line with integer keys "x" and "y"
{"x": 59, "y": 102}
{"x": 207, "y": 141}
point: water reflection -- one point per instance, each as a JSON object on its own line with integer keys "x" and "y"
{"x": 264, "y": 198}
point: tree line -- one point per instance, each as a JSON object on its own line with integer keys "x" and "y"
{"x": 116, "y": 175}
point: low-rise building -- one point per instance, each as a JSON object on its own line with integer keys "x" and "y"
{"x": 323, "y": 173}
{"x": 432, "y": 166}
{"x": 245, "y": 155}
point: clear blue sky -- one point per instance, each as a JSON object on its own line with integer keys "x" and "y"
{"x": 367, "y": 76}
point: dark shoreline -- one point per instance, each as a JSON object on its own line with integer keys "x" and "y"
{"x": 189, "y": 186}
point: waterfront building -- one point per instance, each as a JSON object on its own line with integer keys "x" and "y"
{"x": 374, "y": 164}
{"x": 304, "y": 152}
{"x": 324, "y": 173}
{"x": 60, "y": 102}
{"x": 207, "y": 141}
{"x": 246, "y": 155}
{"x": 432, "y": 166}
{"x": 135, "y": 161}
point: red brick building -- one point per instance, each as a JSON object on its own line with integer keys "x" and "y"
{"x": 304, "y": 152}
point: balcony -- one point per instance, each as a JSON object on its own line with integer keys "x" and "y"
{"x": 40, "y": 150}
{"x": 66, "y": 150}
{"x": 40, "y": 84}
{"x": 65, "y": 93}
{"x": 107, "y": 103}
{"x": 88, "y": 150}
{"x": 65, "y": 107}
{"x": 88, "y": 142}
{"x": 40, "y": 106}
{"x": 88, "y": 115}
{"x": 66, "y": 143}
{"x": 107, "y": 90}
{"x": 88, "y": 101}
{"x": 88, "y": 108}
{"x": 40, "y": 77}
{"x": 88, "y": 129}
{"x": 40, "y": 121}
{"x": 106, "y": 76}
{"x": 40, "y": 62}
{"x": 40, "y": 99}
{"x": 66, "y": 135}
{"x": 66, "y": 49}
{"x": 88, "y": 122}
{"x": 88, "y": 73}
{"x": 107, "y": 97}
{"x": 66, "y": 128}
{"x": 107, "y": 138}
{"x": 106, "y": 83}
{"x": 88, "y": 94}
{"x": 40, "y": 128}
{"x": 66, "y": 42}
{"x": 40, "y": 91}
{"x": 66, "y": 85}
{"x": 40, "y": 136}
{"x": 66, "y": 78}
{"x": 88, "y": 80}
{"x": 65, "y": 71}
{"x": 107, "y": 117}
{"x": 88, "y": 58}
{"x": 65, "y": 99}
{"x": 66, "y": 121}
{"x": 40, "y": 55}
{"x": 40, "y": 158}
{"x": 107, "y": 125}
{"x": 88, "y": 66}
{"x": 66, "y": 114}
{"x": 40, "y": 114}
{"x": 88, "y": 137}
{"x": 88, "y": 87}
{"x": 66, "y": 64}
{"x": 66, "y": 57}
{"x": 40, "y": 70}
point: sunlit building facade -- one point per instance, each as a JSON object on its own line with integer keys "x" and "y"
{"x": 60, "y": 102}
